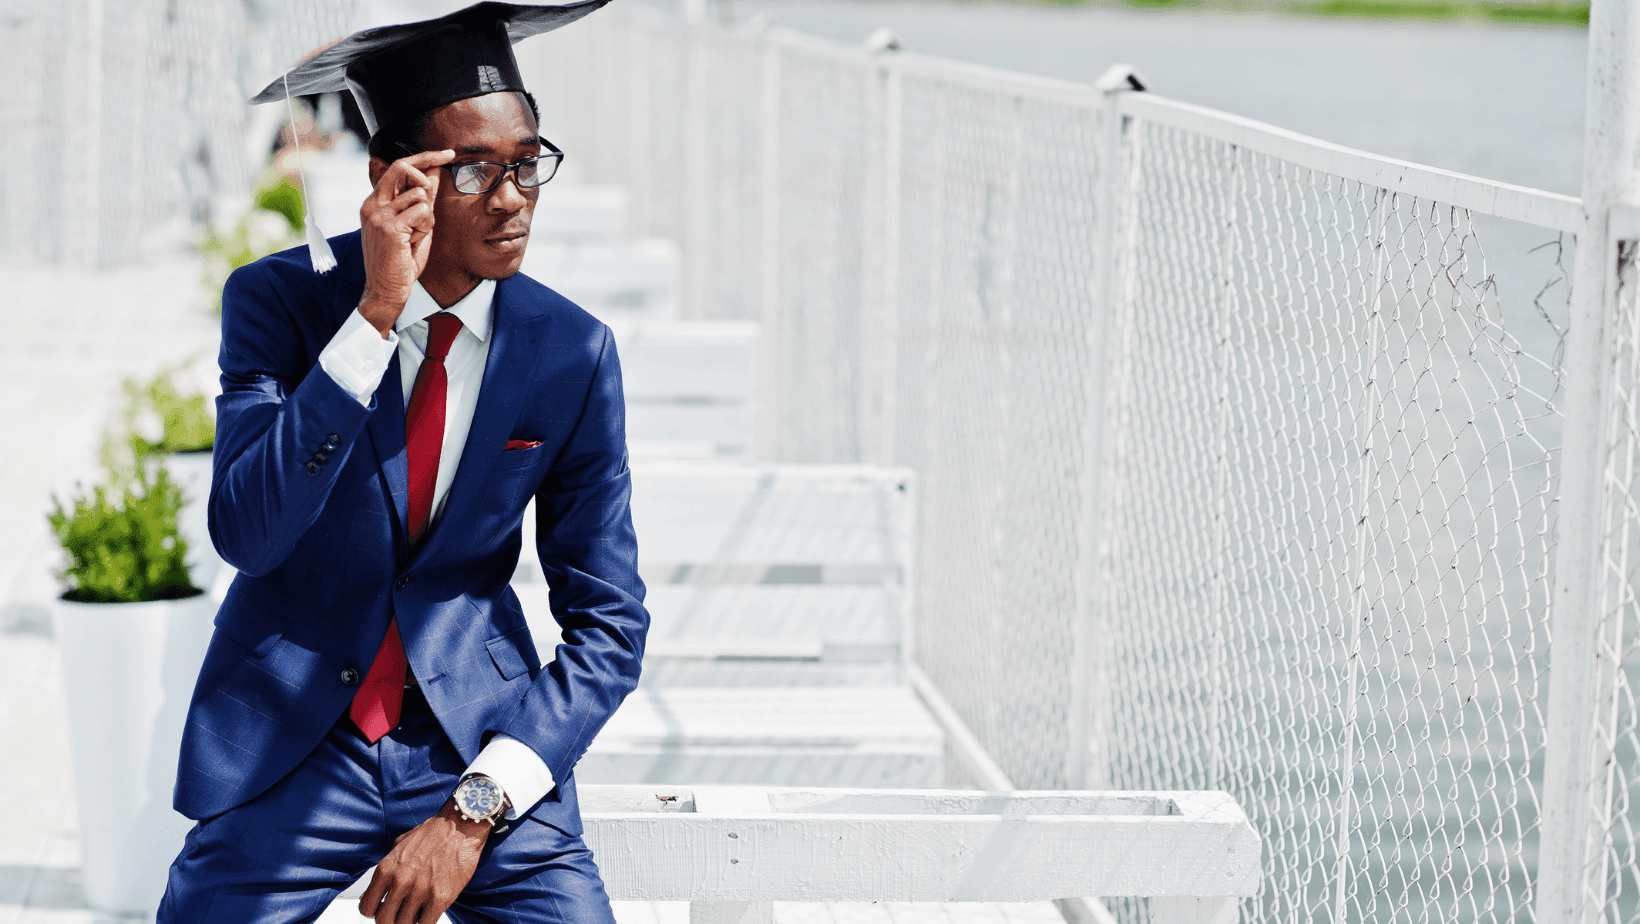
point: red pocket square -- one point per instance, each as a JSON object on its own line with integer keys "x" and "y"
{"x": 522, "y": 444}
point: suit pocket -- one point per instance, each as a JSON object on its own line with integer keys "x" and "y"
{"x": 504, "y": 652}
{"x": 520, "y": 458}
{"x": 249, "y": 623}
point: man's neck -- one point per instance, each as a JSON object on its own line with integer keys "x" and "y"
{"x": 447, "y": 288}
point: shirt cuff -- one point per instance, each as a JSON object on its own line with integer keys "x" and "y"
{"x": 357, "y": 357}
{"x": 517, "y": 769}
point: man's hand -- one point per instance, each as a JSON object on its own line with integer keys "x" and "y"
{"x": 397, "y": 221}
{"x": 427, "y": 868}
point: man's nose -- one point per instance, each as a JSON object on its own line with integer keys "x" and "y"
{"x": 508, "y": 196}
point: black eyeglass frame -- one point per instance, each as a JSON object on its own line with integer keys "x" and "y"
{"x": 552, "y": 153}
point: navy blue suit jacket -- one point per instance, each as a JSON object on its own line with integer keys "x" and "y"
{"x": 324, "y": 563}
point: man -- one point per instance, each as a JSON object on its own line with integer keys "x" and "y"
{"x": 371, "y": 694}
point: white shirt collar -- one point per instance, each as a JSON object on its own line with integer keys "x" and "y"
{"x": 473, "y": 309}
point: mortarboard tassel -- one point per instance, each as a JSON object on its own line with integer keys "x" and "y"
{"x": 318, "y": 248}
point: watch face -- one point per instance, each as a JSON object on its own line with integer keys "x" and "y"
{"x": 480, "y": 798}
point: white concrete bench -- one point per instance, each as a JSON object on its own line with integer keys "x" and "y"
{"x": 777, "y": 642}
{"x": 688, "y": 387}
{"x": 777, "y": 574}
{"x": 773, "y": 635}
{"x": 785, "y": 524}
{"x": 786, "y": 736}
{"x": 580, "y": 211}
{"x": 614, "y": 279}
{"x": 734, "y": 851}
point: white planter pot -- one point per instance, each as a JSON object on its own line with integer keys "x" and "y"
{"x": 129, "y": 670}
{"x": 192, "y": 472}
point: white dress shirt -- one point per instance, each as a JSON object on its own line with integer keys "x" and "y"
{"x": 356, "y": 359}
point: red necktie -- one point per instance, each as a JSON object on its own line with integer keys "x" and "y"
{"x": 375, "y": 708}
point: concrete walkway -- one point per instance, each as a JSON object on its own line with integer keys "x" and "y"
{"x": 71, "y": 337}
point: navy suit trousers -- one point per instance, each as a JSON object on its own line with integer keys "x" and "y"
{"x": 286, "y": 854}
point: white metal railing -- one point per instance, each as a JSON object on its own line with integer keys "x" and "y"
{"x": 1503, "y": 200}
{"x": 734, "y": 851}
{"x": 1240, "y": 452}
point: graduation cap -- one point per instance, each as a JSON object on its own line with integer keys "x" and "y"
{"x": 396, "y": 73}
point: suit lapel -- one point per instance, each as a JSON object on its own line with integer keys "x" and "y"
{"x": 509, "y": 373}
{"x": 385, "y": 424}
{"x": 386, "y": 427}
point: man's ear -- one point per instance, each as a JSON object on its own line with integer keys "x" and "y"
{"x": 377, "y": 168}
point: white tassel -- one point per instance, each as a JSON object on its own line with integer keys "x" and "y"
{"x": 318, "y": 248}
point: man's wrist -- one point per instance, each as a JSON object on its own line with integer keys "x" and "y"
{"x": 480, "y": 799}
{"x": 382, "y": 311}
{"x": 462, "y": 824}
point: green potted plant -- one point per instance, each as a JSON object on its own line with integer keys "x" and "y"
{"x": 132, "y": 629}
{"x": 165, "y": 426}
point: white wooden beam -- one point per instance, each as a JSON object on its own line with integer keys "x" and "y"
{"x": 1217, "y": 909}
{"x": 731, "y": 913}
{"x": 751, "y": 844}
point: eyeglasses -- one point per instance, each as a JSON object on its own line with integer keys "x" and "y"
{"x": 482, "y": 176}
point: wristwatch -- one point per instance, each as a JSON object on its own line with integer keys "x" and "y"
{"x": 479, "y": 798}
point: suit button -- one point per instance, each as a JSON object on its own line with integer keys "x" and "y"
{"x": 350, "y": 676}
{"x": 313, "y": 468}
{"x": 332, "y": 438}
{"x": 402, "y": 582}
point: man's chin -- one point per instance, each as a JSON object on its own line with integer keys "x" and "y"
{"x": 499, "y": 269}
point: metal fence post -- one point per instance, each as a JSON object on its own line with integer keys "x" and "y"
{"x": 1091, "y": 668}
{"x": 85, "y": 238}
{"x": 766, "y": 443}
{"x": 1571, "y": 885}
{"x": 695, "y": 224}
{"x": 881, "y": 207}
{"x": 640, "y": 146}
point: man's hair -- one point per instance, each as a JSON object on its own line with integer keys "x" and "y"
{"x": 391, "y": 142}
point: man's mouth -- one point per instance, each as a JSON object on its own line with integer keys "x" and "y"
{"x": 509, "y": 242}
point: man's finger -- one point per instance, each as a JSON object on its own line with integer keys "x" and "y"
{"x": 404, "y": 200}
{"x": 433, "y": 176}
{"x": 388, "y": 913}
{"x": 427, "y": 159}
{"x": 416, "y": 218}
{"x": 432, "y": 911}
{"x": 414, "y": 900}
{"x": 407, "y": 172}
{"x": 397, "y": 179}
{"x": 372, "y": 897}
{"x": 422, "y": 169}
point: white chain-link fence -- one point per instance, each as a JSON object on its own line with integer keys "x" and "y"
{"x": 1238, "y": 453}
{"x": 126, "y": 119}
{"x": 1329, "y": 525}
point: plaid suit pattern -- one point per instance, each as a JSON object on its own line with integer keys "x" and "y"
{"x": 325, "y": 563}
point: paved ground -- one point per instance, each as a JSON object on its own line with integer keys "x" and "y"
{"x": 71, "y": 336}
